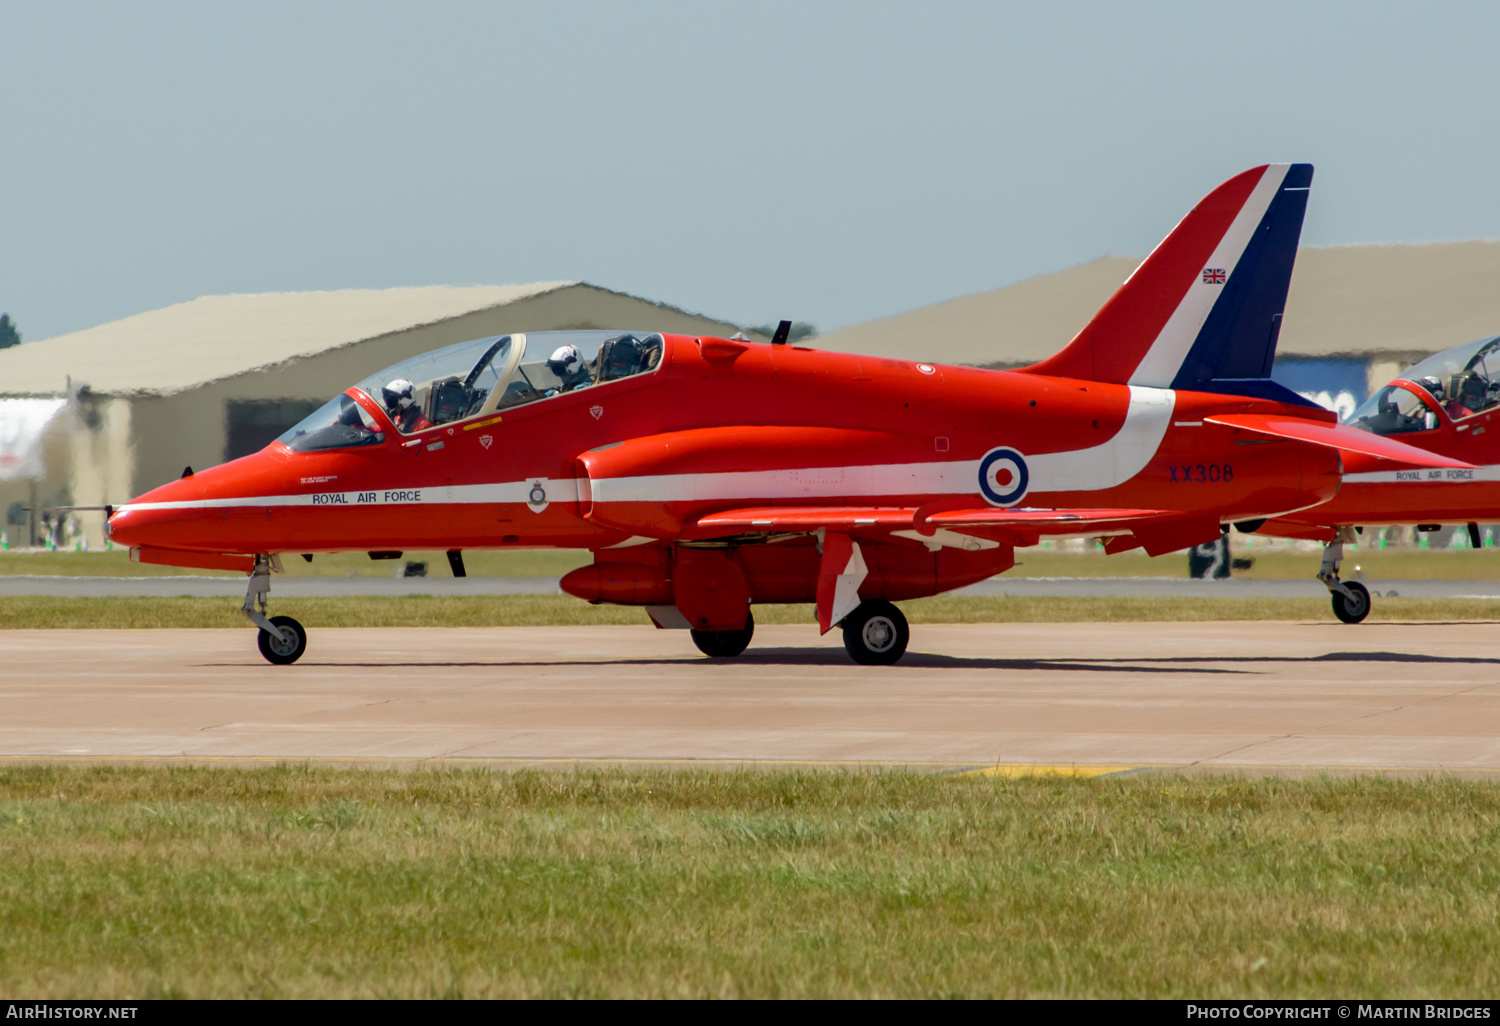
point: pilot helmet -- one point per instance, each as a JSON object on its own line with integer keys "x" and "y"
{"x": 1433, "y": 385}
{"x": 562, "y": 359}
{"x": 397, "y": 394}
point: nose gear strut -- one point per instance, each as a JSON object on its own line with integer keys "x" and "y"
{"x": 282, "y": 639}
{"x": 1351, "y": 600}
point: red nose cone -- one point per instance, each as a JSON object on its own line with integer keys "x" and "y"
{"x": 234, "y": 507}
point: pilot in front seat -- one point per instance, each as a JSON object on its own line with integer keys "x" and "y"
{"x": 566, "y": 363}
{"x": 403, "y": 408}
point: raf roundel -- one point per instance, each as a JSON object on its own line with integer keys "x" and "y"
{"x": 1003, "y": 477}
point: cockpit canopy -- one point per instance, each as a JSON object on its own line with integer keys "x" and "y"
{"x": 1460, "y": 380}
{"x": 476, "y": 379}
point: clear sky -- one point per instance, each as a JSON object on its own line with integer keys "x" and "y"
{"x": 820, "y": 160}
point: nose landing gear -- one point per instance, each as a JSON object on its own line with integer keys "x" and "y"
{"x": 282, "y": 640}
{"x": 1351, "y": 600}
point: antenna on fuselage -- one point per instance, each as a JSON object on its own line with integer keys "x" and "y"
{"x": 783, "y": 332}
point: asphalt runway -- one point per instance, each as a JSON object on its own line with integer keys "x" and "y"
{"x": 1101, "y": 697}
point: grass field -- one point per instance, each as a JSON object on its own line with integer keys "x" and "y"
{"x": 40, "y": 612}
{"x": 293, "y": 881}
{"x": 1279, "y": 563}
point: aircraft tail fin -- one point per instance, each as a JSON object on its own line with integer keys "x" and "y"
{"x": 1203, "y": 312}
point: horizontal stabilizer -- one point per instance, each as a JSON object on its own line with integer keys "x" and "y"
{"x": 1336, "y": 436}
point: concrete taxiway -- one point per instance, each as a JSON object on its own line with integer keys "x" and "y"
{"x": 1275, "y": 695}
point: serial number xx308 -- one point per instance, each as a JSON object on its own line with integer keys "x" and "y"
{"x": 1201, "y": 473}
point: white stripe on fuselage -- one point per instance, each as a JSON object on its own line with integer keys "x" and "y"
{"x": 558, "y": 490}
{"x": 1098, "y": 467}
{"x": 1163, "y": 360}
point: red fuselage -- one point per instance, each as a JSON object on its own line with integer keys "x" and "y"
{"x": 719, "y": 425}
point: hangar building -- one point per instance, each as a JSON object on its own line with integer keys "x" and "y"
{"x": 221, "y": 376}
{"x": 1356, "y": 316}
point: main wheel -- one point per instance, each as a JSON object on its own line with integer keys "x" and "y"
{"x": 283, "y": 653}
{"x": 876, "y": 634}
{"x": 1352, "y": 610}
{"x": 725, "y": 644}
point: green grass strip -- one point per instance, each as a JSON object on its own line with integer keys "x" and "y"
{"x": 297, "y": 881}
{"x": 32, "y": 612}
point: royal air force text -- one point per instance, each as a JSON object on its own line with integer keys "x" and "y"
{"x": 366, "y": 498}
{"x": 1435, "y": 475}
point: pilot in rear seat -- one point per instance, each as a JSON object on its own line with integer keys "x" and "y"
{"x": 403, "y": 408}
{"x": 621, "y": 358}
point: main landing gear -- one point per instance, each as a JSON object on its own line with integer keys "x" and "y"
{"x": 876, "y": 634}
{"x": 1351, "y": 600}
{"x": 725, "y": 644}
{"x": 282, "y": 640}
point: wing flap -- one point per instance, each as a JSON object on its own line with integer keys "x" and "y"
{"x": 1336, "y": 436}
{"x": 1045, "y": 521}
{"x": 809, "y": 518}
{"x": 853, "y": 518}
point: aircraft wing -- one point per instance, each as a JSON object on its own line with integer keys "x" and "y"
{"x": 1337, "y": 436}
{"x": 851, "y": 518}
{"x": 809, "y": 518}
{"x": 1158, "y": 531}
{"x": 1043, "y": 521}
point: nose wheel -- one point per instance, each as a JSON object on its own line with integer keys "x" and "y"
{"x": 284, "y": 648}
{"x": 1352, "y": 604}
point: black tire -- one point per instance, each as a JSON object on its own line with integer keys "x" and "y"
{"x": 1352, "y": 610}
{"x": 283, "y": 653}
{"x": 876, "y": 634}
{"x": 725, "y": 644}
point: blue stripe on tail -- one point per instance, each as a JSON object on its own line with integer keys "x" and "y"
{"x": 1236, "y": 346}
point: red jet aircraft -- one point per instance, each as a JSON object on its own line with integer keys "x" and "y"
{"x": 709, "y": 474}
{"x": 1448, "y": 405}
